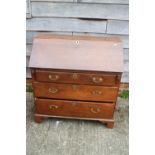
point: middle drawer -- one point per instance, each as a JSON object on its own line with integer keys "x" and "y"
{"x": 75, "y": 92}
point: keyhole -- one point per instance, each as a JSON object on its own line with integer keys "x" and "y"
{"x": 77, "y": 42}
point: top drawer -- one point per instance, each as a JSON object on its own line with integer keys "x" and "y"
{"x": 76, "y": 77}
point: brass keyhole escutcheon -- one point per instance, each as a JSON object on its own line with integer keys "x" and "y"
{"x": 75, "y": 76}
{"x": 77, "y": 42}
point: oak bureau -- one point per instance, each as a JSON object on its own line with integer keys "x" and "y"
{"x": 76, "y": 77}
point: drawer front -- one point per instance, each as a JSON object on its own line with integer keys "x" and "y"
{"x": 76, "y": 78}
{"x": 74, "y": 108}
{"x": 75, "y": 92}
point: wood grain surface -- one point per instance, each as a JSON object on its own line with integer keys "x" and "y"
{"x": 77, "y": 53}
{"x": 74, "y": 108}
{"x": 73, "y": 77}
{"x": 75, "y": 92}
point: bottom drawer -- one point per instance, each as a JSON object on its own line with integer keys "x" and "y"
{"x": 74, "y": 108}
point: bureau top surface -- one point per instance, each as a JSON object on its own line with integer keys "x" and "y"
{"x": 77, "y": 53}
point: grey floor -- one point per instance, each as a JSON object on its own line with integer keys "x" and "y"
{"x": 77, "y": 137}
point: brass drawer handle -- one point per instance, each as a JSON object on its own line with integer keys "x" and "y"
{"x": 53, "y": 77}
{"x": 97, "y": 79}
{"x": 97, "y": 110}
{"x": 53, "y": 90}
{"x": 96, "y": 92}
{"x": 53, "y": 106}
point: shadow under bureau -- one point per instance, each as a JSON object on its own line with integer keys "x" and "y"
{"x": 76, "y": 77}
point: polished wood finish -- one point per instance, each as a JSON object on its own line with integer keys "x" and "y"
{"x": 76, "y": 77}
{"x": 75, "y": 92}
{"x": 74, "y": 108}
{"x": 77, "y": 53}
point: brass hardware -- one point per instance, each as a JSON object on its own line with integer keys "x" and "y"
{"x": 53, "y": 77}
{"x": 97, "y": 79}
{"x": 97, "y": 110}
{"x": 53, "y": 90}
{"x": 75, "y": 76}
{"x": 53, "y": 106}
{"x": 96, "y": 92}
{"x": 77, "y": 42}
{"x": 75, "y": 87}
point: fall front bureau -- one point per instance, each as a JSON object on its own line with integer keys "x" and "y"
{"x": 76, "y": 77}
